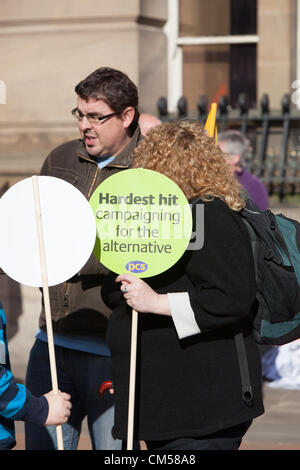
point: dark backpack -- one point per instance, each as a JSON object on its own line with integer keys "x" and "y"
{"x": 275, "y": 243}
{"x": 276, "y": 249}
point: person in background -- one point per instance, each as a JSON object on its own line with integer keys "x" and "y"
{"x": 236, "y": 146}
{"x": 107, "y": 115}
{"x": 147, "y": 121}
{"x": 189, "y": 392}
{"x": 18, "y": 404}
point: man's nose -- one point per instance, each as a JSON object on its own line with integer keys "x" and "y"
{"x": 85, "y": 123}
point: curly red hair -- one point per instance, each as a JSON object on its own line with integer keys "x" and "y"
{"x": 183, "y": 152}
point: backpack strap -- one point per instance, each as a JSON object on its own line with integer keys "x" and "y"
{"x": 247, "y": 394}
{"x": 279, "y": 237}
{"x": 273, "y": 226}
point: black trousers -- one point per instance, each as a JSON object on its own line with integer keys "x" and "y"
{"x": 227, "y": 439}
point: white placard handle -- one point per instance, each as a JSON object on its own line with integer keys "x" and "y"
{"x": 132, "y": 374}
{"x": 38, "y": 214}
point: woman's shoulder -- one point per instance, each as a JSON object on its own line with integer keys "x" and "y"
{"x": 219, "y": 217}
{"x": 214, "y": 205}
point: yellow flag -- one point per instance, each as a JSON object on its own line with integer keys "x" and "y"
{"x": 210, "y": 126}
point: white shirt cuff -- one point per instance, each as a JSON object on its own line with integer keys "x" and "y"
{"x": 183, "y": 315}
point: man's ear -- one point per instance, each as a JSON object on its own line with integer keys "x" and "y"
{"x": 127, "y": 116}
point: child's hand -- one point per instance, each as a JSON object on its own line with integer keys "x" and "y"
{"x": 59, "y": 408}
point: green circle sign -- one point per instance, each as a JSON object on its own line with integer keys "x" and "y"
{"x": 144, "y": 222}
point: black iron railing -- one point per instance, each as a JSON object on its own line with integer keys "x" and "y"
{"x": 274, "y": 154}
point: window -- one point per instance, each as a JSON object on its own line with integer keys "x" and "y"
{"x": 218, "y": 41}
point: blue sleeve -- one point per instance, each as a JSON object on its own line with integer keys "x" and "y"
{"x": 17, "y": 403}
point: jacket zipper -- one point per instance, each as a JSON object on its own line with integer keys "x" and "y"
{"x": 93, "y": 182}
{"x": 66, "y": 298}
{"x": 66, "y": 301}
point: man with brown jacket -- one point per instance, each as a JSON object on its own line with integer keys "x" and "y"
{"x": 107, "y": 114}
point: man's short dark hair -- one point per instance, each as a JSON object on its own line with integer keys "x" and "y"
{"x": 114, "y": 87}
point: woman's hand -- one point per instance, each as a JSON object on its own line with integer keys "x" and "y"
{"x": 142, "y": 297}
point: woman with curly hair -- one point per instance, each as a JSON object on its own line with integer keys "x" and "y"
{"x": 188, "y": 387}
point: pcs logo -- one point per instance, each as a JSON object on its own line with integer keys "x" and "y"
{"x": 136, "y": 266}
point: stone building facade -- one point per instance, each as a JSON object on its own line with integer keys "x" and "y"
{"x": 46, "y": 48}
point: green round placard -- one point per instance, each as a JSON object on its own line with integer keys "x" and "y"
{"x": 143, "y": 220}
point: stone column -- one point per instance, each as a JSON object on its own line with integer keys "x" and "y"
{"x": 276, "y": 60}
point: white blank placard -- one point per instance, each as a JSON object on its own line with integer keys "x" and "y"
{"x": 69, "y": 231}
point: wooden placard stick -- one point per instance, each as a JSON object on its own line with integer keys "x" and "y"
{"x": 45, "y": 286}
{"x": 132, "y": 375}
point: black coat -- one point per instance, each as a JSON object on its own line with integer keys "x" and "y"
{"x": 192, "y": 387}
